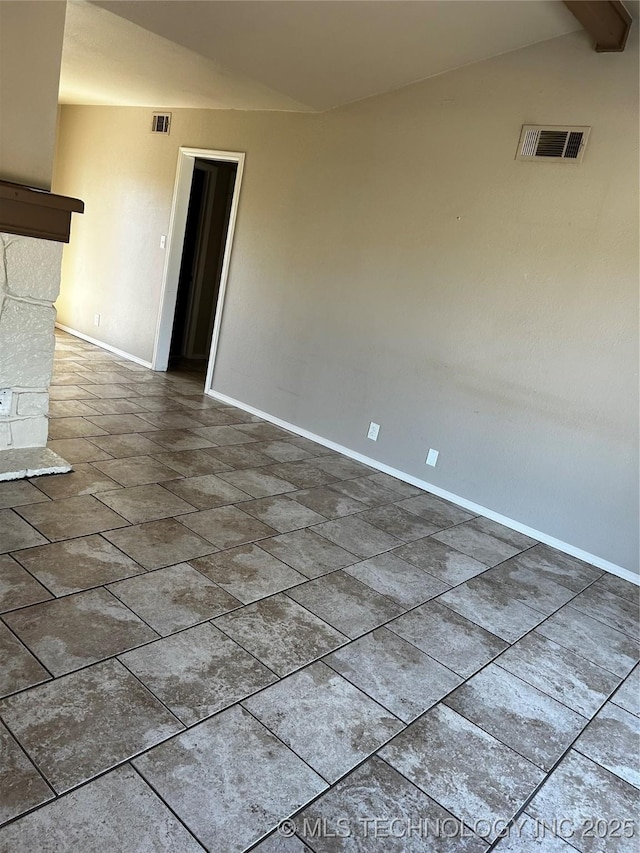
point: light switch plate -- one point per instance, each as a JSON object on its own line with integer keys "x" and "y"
{"x": 432, "y": 458}
{"x": 6, "y": 395}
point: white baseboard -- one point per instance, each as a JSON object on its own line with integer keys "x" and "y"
{"x": 565, "y": 547}
{"x": 102, "y": 345}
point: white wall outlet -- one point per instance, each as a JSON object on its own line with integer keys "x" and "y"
{"x": 374, "y": 429}
{"x": 5, "y": 401}
{"x": 432, "y": 458}
{"x": 96, "y": 319}
{"x": 163, "y": 241}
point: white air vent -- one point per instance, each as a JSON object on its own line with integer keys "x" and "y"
{"x": 553, "y": 144}
{"x": 161, "y": 123}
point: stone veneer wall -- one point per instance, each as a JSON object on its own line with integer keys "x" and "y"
{"x": 29, "y": 285}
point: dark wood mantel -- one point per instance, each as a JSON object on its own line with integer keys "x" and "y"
{"x": 36, "y": 213}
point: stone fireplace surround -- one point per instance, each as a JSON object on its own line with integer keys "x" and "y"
{"x": 33, "y": 226}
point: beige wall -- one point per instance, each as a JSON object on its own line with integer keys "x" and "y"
{"x": 30, "y": 54}
{"x": 393, "y": 262}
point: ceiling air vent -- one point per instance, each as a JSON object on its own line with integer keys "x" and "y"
{"x": 161, "y": 123}
{"x": 553, "y": 144}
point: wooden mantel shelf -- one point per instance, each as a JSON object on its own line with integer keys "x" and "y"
{"x": 36, "y": 213}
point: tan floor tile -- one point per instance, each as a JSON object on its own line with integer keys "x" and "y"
{"x": 97, "y": 813}
{"x": 173, "y": 598}
{"x": 280, "y": 633}
{"x": 207, "y": 492}
{"x": 145, "y": 503}
{"x": 116, "y": 424}
{"x": 262, "y": 780}
{"x": 248, "y": 572}
{"x": 19, "y": 668}
{"x": 80, "y": 725}
{"x": 77, "y": 450}
{"x": 17, "y": 587}
{"x": 227, "y": 526}
{"x": 85, "y": 479}
{"x": 72, "y": 428}
{"x": 22, "y": 786}
{"x": 76, "y": 564}
{"x": 137, "y": 471}
{"x": 198, "y": 672}
{"x": 125, "y": 445}
{"x": 19, "y": 493}
{"x": 78, "y": 630}
{"x": 324, "y": 719}
{"x": 71, "y": 517}
{"x": 157, "y": 544}
{"x": 191, "y": 463}
{"x": 15, "y": 533}
{"x": 70, "y": 409}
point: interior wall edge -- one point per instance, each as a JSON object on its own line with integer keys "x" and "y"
{"x": 103, "y": 345}
{"x": 541, "y": 536}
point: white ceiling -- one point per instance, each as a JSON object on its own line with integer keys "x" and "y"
{"x": 284, "y": 54}
{"x": 108, "y": 60}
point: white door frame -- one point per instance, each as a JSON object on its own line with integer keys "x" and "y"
{"x": 175, "y": 243}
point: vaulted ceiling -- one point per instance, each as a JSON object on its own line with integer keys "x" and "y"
{"x": 303, "y": 55}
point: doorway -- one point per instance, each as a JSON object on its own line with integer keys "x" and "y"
{"x": 199, "y": 244}
{"x": 212, "y": 186}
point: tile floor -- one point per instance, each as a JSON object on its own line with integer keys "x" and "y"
{"x": 213, "y": 626}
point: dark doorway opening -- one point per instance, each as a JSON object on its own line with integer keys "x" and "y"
{"x": 201, "y": 266}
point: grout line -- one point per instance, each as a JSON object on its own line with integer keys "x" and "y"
{"x": 16, "y": 511}
{"x": 599, "y": 619}
{"x": 29, "y": 651}
{"x": 55, "y": 796}
{"x": 555, "y": 764}
{"x": 286, "y": 745}
{"x": 554, "y": 767}
{"x": 157, "y": 793}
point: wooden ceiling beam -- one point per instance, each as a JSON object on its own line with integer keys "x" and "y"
{"x": 607, "y": 22}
